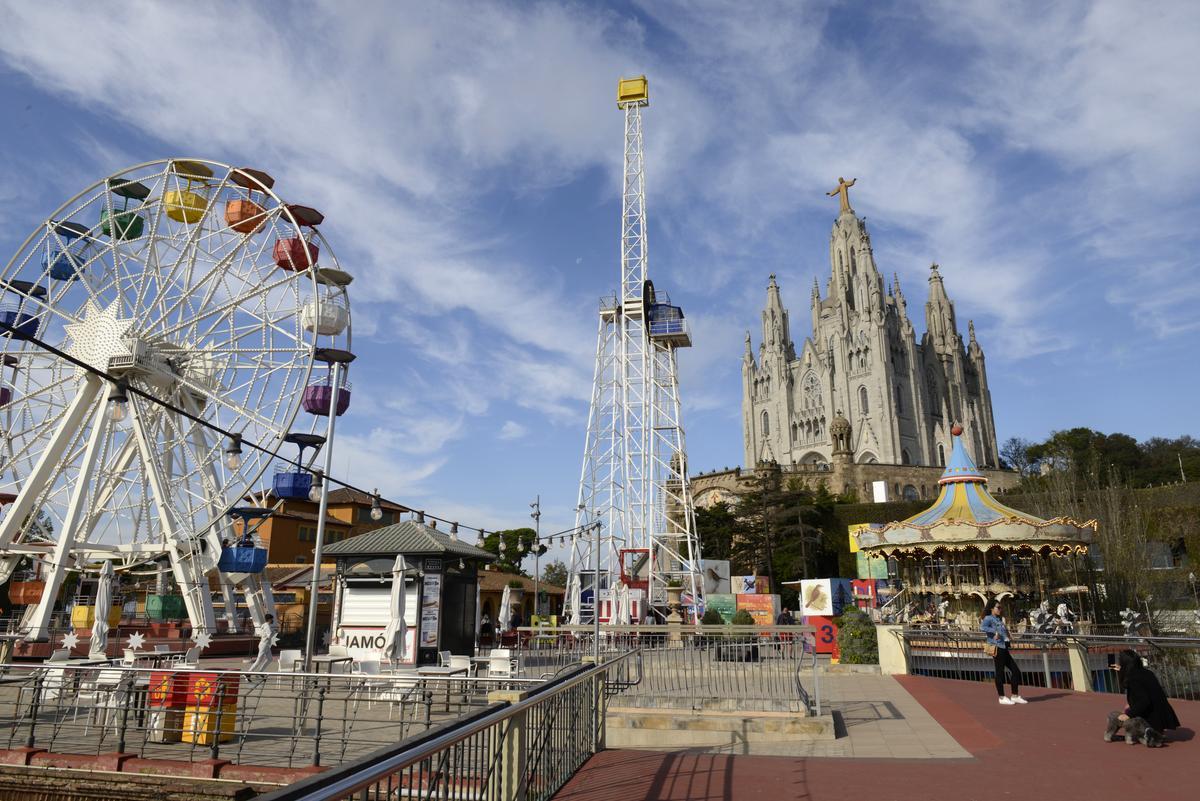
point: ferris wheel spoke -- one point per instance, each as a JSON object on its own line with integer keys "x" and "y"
{"x": 224, "y": 309}
{"x": 50, "y": 457}
{"x": 65, "y": 541}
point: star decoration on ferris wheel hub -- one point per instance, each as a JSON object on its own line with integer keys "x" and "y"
{"x": 137, "y": 641}
{"x": 99, "y": 336}
{"x": 202, "y": 640}
{"x": 70, "y": 641}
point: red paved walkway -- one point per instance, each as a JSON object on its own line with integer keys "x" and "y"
{"x": 1049, "y": 749}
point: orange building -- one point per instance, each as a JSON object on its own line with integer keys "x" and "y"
{"x": 290, "y": 534}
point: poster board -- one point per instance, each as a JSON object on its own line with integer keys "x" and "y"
{"x": 715, "y": 573}
{"x": 725, "y": 604}
{"x": 431, "y": 608}
{"x": 750, "y": 585}
{"x": 826, "y": 635}
{"x": 825, "y": 597}
{"x": 763, "y": 608}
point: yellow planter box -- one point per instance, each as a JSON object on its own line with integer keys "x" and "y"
{"x": 200, "y": 724}
{"x": 82, "y": 617}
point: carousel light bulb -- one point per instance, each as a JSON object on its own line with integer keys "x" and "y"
{"x": 314, "y": 493}
{"x": 118, "y": 403}
{"x": 233, "y": 452}
{"x": 376, "y": 511}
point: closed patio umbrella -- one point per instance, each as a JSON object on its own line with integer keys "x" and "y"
{"x": 397, "y": 631}
{"x": 103, "y": 603}
{"x": 574, "y": 595}
{"x": 504, "y": 614}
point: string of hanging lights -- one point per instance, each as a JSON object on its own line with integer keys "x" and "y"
{"x": 118, "y": 411}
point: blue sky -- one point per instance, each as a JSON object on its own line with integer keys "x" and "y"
{"x": 467, "y": 159}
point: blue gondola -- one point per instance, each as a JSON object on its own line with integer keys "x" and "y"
{"x": 242, "y": 558}
{"x": 18, "y": 312}
{"x": 295, "y": 483}
{"x": 292, "y": 485}
{"x": 66, "y": 250}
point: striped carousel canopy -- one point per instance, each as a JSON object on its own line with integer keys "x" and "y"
{"x": 966, "y": 516}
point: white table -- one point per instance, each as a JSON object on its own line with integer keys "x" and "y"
{"x": 445, "y": 671}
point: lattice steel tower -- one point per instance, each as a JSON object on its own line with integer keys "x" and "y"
{"x": 634, "y": 478}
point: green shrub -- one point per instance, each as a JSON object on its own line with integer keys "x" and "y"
{"x": 856, "y": 638}
{"x": 742, "y": 618}
{"x": 712, "y": 618}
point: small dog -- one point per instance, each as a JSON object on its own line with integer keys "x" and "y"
{"x": 1136, "y": 731}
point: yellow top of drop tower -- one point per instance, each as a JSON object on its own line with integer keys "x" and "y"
{"x": 633, "y": 90}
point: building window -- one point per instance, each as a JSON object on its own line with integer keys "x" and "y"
{"x": 306, "y": 534}
{"x": 795, "y": 432}
{"x": 766, "y": 424}
{"x": 899, "y": 403}
{"x": 941, "y": 455}
{"x": 863, "y": 406}
{"x": 910, "y": 493}
{"x": 905, "y": 458}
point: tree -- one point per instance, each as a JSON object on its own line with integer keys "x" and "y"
{"x": 555, "y": 573}
{"x": 715, "y": 527}
{"x": 518, "y": 543}
{"x": 1015, "y": 453}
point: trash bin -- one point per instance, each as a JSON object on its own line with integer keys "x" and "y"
{"x": 211, "y": 712}
{"x": 166, "y": 698}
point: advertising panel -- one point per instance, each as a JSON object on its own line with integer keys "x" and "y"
{"x": 826, "y": 635}
{"x": 750, "y": 585}
{"x": 723, "y": 603}
{"x": 825, "y": 597}
{"x": 763, "y": 608}
{"x": 431, "y": 607}
{"x": 715, "y": 573}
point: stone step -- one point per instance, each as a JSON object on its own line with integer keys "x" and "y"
{"x": 684, "y": 704}
{"x": 647, "y": 727}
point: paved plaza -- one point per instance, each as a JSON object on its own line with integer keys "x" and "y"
{"x": 920, "y": 738}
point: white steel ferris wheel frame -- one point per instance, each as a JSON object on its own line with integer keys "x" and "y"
{"x": 192, "y": 312}
{"x": 634, "y": 479}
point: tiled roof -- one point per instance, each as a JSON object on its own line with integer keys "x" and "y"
{"x": 496, "y": 581}
{"x": 409, "y": 537}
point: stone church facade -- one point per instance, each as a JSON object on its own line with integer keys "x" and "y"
{"x": 862, "y": 389}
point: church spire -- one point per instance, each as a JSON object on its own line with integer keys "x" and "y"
{"x": 776, "y": 332}
{"x": 939, "y": 312}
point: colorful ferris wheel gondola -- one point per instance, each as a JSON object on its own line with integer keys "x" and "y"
{"x": 125, "y": 223}
{"x": 19, "y": 308}
{"x": 291, "y": 482}
{"x": 244, "y": 214}
{"x": 67, "y": 250}
{"x": 299, "y": 252}
{"x": 318, "y": 396}
{"x": 182, "y": 204}
{"x": 6, "y": 393}
{"x": 245, "y": 556}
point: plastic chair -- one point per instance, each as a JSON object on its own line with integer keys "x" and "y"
{"x": 444, "y": 658}
{"x": 501, "y": 664}
{"x": 463, "y": 662}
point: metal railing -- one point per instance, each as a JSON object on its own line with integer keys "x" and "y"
{"x": 768, "y": 667}
{"x": 1077, "y": 661}
{"x": 523, "y": 747}
{"x": 281, "y": 720}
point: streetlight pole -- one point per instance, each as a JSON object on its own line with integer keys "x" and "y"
{"x": 536, "y": 506}
{"x": 337, "y": 359}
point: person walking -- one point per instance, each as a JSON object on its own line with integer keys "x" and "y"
{"x": 997, "y": 645}
{"x": 1144, "y": 695}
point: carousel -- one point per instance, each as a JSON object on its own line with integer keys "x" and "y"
{"x": 968, "y": 548}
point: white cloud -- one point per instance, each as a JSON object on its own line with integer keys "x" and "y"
{"x": 512, "y": 430}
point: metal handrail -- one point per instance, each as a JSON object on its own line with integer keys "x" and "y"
{"x": 342, "y": 781}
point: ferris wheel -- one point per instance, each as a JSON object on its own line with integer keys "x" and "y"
{"x": 189, "y": 281}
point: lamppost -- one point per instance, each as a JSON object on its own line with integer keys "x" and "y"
{"x": 536, "y": 506}
{"x": 337, "y": 360}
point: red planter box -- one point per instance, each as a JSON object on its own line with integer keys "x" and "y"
{"x": 210, "y": 690}
{"x": 168, "y": 689}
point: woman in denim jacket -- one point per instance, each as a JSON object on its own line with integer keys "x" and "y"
{"x": 997, "y": 635}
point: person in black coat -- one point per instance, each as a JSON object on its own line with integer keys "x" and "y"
{"x": 1145, "y": 697}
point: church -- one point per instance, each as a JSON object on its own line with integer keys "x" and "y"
{"x": 862, "y": 389}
